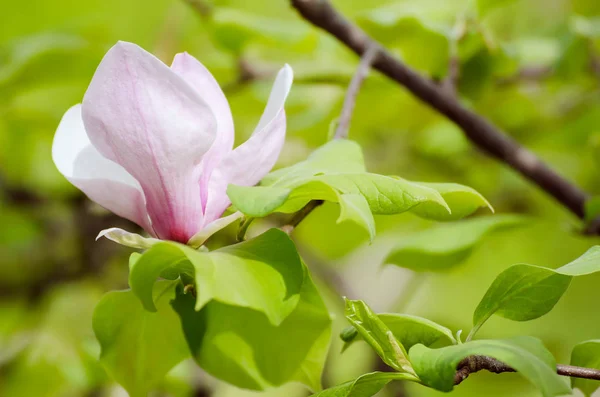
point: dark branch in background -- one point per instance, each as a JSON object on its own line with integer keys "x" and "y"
{"x": 474, "y": 364}
{"x": 480, "y": 131}
{"x": 477, "y": 129}
{"x": 352, "y": 92}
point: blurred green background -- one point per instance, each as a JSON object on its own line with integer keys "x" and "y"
{"x": 530, "y": 66}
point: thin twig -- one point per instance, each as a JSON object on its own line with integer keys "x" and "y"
{"x": 578, "y": 372}
{"x": 203, "y": 8}
{"x": 479, "y": 130}
{"x": 361, "y": 73}
{"x": 528, "y": 74}
{"x": 300, "y": 215}
{"x": 450, "y": 82}
{"x": 476, "y": 363}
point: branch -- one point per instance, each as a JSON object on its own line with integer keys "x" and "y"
{"x": 477, "y": 129}
{"x": 350, "y": 100}
{"x": 300, "y": 215}
{"x": 474, "y": 364}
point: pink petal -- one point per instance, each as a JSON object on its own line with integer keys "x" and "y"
{"x": 197, "y": 76}
{"x": 247, "y": 164}
{"x": 102, "y": 180}
{"x": 140, "y": 114}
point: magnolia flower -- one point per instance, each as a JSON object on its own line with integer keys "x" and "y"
{"x": 154, "y": 144}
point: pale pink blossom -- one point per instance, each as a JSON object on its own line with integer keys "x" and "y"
{"x": 154, "y": 144}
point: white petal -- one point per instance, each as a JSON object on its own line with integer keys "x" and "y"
{"x": 213, "y": 227}
{"x": 102, "y": 180}
{"x": 128, "y": 239}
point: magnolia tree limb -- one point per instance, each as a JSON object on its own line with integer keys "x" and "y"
{"x": 474, "y": 364}
{"x": 477, "y": 129}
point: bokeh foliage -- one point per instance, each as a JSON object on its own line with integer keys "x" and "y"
{"x": 531, "y": 66}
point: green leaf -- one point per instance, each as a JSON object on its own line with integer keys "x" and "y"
{"x": 241, "y": 346}
{"x": 378, "y": 335}
{"x": 139, "y": 347}
{"x": 444, "y": 246}
{"x": 384, "y": 195}
{"x": 323, "y": 176}
{"x": 364, "y": 386}
{"x": 355, "y": 208}
{"x": 259, "y": 201}
{"x": 586, "y": 354}
{"x": 527, "y": 355}
{"x": 462, "y": 200}
{"x": 409, "y": 330}
{"x": 337, "y": 156}
{"x": 264, "y": 273}
{"x": 525, "y": 292}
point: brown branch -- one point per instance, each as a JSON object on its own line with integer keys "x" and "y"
{"x": 476, "y": 363}
{"x": 300, "y": 215}
{"x": 350, "y": 100}
{"x": 479, "y": 130}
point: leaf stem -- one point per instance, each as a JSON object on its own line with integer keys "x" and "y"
{"x": 241, "y": 234}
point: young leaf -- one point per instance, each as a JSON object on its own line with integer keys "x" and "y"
{"x": 463, "y": 201}
{"x": 378, "y": 335}
{"x": 411, "y": 330}
{"x": 354, "y": 207}
{"x": 525, "y": 292}
{"x": 365, "y": 385}
{"x": 335, "y": 157}
{"x": 242, "y": 347}
{"x": 527, "y": 355}
{"x": 586, "y": 354}
{"x": 444, "y": 246}
{"x": 259, "y": 201}
{"x": 324, "y": 177}
{"x": 263, "y": 274}
{"x": 139, "y": 347}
